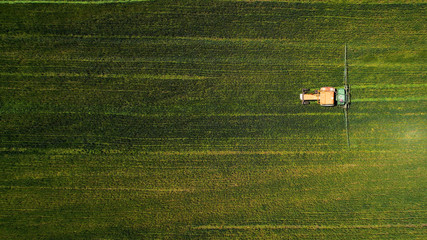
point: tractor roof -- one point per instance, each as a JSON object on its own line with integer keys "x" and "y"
{"x": 327, "y": 98}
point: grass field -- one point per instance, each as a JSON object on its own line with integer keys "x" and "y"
{"x": 175, "y": 119}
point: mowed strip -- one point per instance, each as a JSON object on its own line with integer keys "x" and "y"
{"x": 403, "y": 85}
{"x": 390, "y": 99}
{"x": 165, "y": 190}
{"x": 307, "y": 227}
{"x": 70, "y": 2}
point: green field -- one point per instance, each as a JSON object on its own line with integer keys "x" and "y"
{"x": 182, "y": 119}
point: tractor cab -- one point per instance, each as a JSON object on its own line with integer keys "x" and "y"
{"x": 341, "y": 97}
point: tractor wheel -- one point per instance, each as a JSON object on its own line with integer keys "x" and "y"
{"x": 306, "y": 102}
{"x": 305, "y": 90}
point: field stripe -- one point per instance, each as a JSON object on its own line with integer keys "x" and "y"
{"x": 226, "y": 62}
{"x": 308, "y": 227}
{"x": 102, "y": 188}
{"x": 109, "y": 75}
{"x": 224, "y": 153}
{"x": 397, "y": 99}
{"x": 195, "y": 115}
{"x": 180, "y": 153}
{"x": 335, "y": 1}
{"x": 72, "y": 2}
{"x": 414, "y": 85}
{"x": 283, "y": 41}
{"x": 277, "y": 1}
